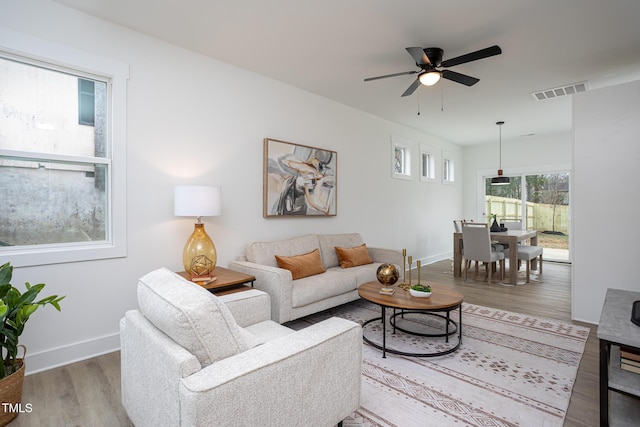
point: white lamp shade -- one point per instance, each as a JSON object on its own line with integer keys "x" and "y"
{"x": 196, "y": 200}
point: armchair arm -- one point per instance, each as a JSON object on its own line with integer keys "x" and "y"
{"x": 391, "y": 256}
{"x": 277, "y": 282}
{"x": 248, "y": 307}
{"x": 310, "y": 377}
{"x": 151, "y": 362}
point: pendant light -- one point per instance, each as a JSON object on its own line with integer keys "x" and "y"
{"x": 500, "y": 179}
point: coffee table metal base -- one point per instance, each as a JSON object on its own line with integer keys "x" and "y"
{"x": 457, "y": 327}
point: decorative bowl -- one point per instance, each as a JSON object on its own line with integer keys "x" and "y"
{"x": 420, "y": 291}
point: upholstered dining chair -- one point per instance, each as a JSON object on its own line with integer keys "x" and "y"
{"x": 512, "y": 225}
{"x": 477, "y": 247}
{"x": 457, "y": 226}
{"x": 527, "y": 253}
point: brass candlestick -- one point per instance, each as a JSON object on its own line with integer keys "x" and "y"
{"x": 404, "y": 266}
{"x": 418, "y": 262}
{"x": 410, "y": 262}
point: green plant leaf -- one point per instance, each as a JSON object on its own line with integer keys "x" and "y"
{"x": 6, "y": 271}
{"x": 15, "y": 310}
{"x": 4, "y": 288}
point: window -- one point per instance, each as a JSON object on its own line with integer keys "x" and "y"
{"x": 448, "y": 170}
{"x": 61, "y": 200}
{"x": 541, "y": 202}
{"x": 400, "y": 158}
{"x": 427, "y": 164}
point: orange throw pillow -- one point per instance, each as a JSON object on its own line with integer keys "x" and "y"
{"x": 351, "y": 257}
{"x": 303, "y": 265}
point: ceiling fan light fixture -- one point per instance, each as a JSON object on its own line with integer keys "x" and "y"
{"x": 429, "y": 78}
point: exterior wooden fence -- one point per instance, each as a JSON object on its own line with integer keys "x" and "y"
{"x": 540, "y": 216}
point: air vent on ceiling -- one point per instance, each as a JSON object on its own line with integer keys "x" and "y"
{"x": 543, "y": 95}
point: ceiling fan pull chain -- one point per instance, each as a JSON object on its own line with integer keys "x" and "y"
{"x": 418, "y": 103}
{"x": 441, "y": 97}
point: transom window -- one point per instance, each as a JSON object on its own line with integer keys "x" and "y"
{"x": 448, "y": 168}
{"x": 427, "y": 163}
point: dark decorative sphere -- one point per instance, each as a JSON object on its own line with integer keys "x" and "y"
{"x": 387, "y": 274}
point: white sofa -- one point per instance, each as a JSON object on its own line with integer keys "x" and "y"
{"x": 292, "y": 299}
{"x": 189, "y": 358}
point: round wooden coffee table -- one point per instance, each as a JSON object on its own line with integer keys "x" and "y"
{"x": 442, "y": 300}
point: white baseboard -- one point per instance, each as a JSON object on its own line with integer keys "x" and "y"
{"x": 433, "y": 258}
{"x": 77, "y": 352}
{"x": 66, "y": 355}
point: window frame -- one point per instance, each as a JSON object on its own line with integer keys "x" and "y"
{"x": 448, "y": 168}
{"x": 401, "y": 145}
{"x": 430, "y": 173}
{"x": 54, "y": 56}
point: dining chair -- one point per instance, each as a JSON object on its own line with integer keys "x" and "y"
{"x": 457, "y": 227}
{"x": 513, "y": 225}
{"x": 477, "y": 247}
{"x": 527, "y": 253}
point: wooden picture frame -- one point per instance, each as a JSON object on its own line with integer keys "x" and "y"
{"x": 299, "y": 180}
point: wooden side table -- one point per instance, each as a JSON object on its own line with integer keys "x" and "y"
{"x": 227, "y": 281}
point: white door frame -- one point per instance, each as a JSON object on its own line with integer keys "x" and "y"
{"x": 481, "y": 214}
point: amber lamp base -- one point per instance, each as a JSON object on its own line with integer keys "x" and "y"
{"x": 199, "y": 256}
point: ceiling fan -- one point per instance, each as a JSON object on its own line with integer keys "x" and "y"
{"x": 430, "y": 59}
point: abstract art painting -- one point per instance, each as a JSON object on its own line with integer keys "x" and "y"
{"x": 298, "y": 180}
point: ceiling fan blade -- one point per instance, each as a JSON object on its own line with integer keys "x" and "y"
{"x": 412, "y": 88}
{"x": 459, "y": 78}
{"x": 418, "y": 55}
{"x": 389, "y": 75}
{"x": 473, "y": 56}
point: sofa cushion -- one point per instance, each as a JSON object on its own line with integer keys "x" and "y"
{"x": 328, "y": 243}
{"x": 191, "y": 316}
{"x": 264, "y": 252}
{"x": 322, "y": 286}
{"x": 351, "y": 257}
{"x": 300, "y": 266}
{"x": 361, "y": 273}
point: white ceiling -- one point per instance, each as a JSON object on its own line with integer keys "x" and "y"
{"x": 328, "y": 47}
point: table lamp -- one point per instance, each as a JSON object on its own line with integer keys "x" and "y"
{"x": 199, "y": 255}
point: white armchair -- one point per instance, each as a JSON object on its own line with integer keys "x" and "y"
{"x": 190, "y": 358}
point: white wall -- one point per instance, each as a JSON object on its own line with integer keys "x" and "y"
{"x": 606, "y": 199}
{"x": 194, "y": 120}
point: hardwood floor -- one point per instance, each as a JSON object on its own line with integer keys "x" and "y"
{"x": 87, "y": 393}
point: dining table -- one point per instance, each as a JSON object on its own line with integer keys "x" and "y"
{"x": 510, "y": 237}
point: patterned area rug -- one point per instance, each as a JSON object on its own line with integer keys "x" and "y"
{"x": 510, "y": 370}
